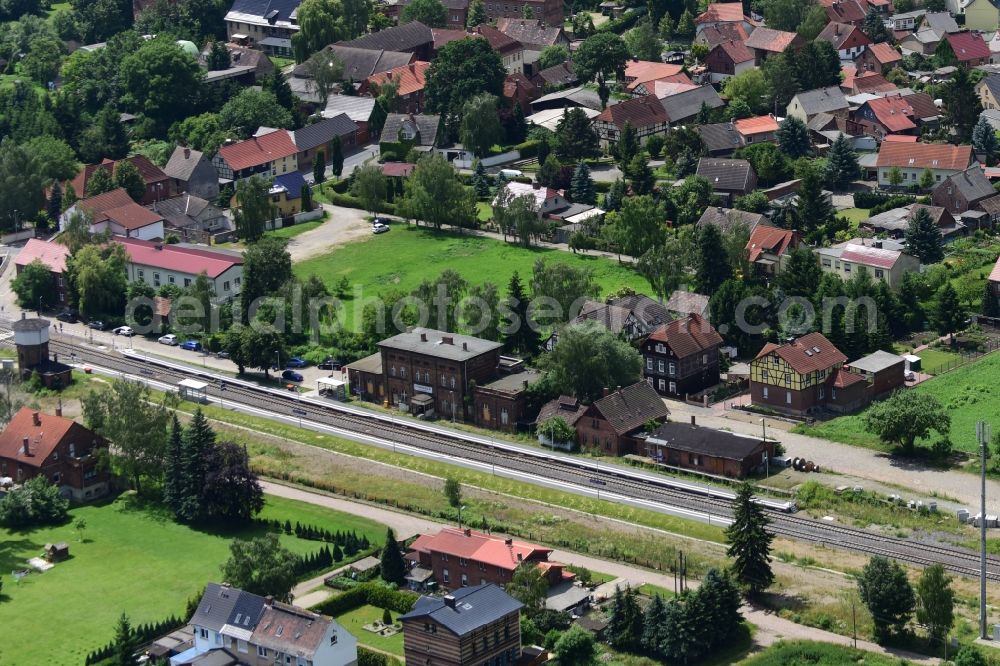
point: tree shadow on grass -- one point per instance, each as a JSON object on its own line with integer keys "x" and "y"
{"x": 14, "y": 553}
{"x": 778, "y": 601}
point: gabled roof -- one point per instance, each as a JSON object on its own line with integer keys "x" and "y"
{"x": 726, "y": 174}
{"x": 638, "y": 71}
{"x": 538, "y": 193}
{"x": 397, "y": 169}
{"x": 720, "y": 137}
{"x": 631, "y": 407}
{"x": 688, "y": 335}
{"x": 51, "y": 253}
{"x": 646, "y": 310}
{"x": 995, "y": 273}
{"x": 407, "y": 37}
{"x": 968, "y": 46}
{"x": 991, "y": 81}
{"x": 43, "y": 438}
{"x": 289, "y": 630}
{"x": 535, "y": 32}
{"x": 182, "y": 163}
{"x": 845, "y": 11}
{"x": 924, "y": 155}
{"x": 566, "y": 407}
{"x": 440, "y": 344}
{"x": 105, "y": 201}
{"x": 841, "y": 378}
{"x": 639, "y": 111}
{"x": 756, "y": 125}
{"x": 180, "y": 259}
{"x": 259, "y": 150}
{"x": 499, "y": 42}
{"x": 773, "y": 41}
{"x": 472, "y": 608}
{"x": 940, "y": 22}
{"x": 723, "y": 32}
{"x": 687, "y": 302}
{"x": 871, "y": 82}
{"x": 724, "y": 12}
{"x": 735, "y": 51}
{"x": 867, "y": 255}
{"x": 822, "y": 100}
{"x": 688, "y": 103}
{"x": 276, "y": 10}
{"x": 558, "y": 75}
{"x": 665, "y": 87}
{"x": 491, "y": 550}
{"x": 361, "y": 63}
{"x": 182, "y": 210}
{"x": 409, "y": 79}
{"x": 358, "y": 109}
{"x": 893, "y": 112}
{"x": 843, "y": 36}
{"x": 131, "y": 216}
{"x": 704, "y": 441}
{"x": 807, "y": 354}
{"x": 324, "y": 131}
{"x": 769, "y": 240}
{"x": 884, "y": 53}
{"x": 972, "y": 184}
{"x": 727, "y": 219}
{"x": 443, "y": 36}
{"x": 425, "y": 125}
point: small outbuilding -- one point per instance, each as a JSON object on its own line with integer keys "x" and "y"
{"x": 332, "y": 388}
{"x": 706, "y": 450}
{"x": 193, "y": 390}
{"x": 56, "y": 552}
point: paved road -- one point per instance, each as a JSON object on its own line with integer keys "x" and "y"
{"x": 771, "y": 628}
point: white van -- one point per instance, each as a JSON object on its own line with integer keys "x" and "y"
{"x": 511, "y": 173}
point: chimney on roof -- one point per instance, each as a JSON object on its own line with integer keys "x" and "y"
{"x": 36, "y": 418}
{"x": 520, "y": 557}
{"x": 465, "y": 346}
{"x": 187, "y": 153}
{"x": 59, "y": 406}
{"x": 449, "y": 601}
{"x": 24, "y": 442}
{"x": 508, "y": 541}
{"x": 604, "y": 392}
{"x": 23, "y": 315}
{"x": 423, "y": 337}
{"x": 536, "y": 186}
{"x": 447, "y": 340}
{"x": 467, "y": 532}
{"x": 268, "y": 600}
{"x": 692, "y": 420}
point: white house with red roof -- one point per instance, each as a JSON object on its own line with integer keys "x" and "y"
{"x": 546, "y": 199}
{"x": 159, "y": 264}
{"x": 884, "y": 260}
{"x": 116, "y": 212}
{"x": 911, "y": 159}
{"x": 270, "y": 154}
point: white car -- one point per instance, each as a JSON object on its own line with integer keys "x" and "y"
{"x": 379, "y": 228}
{"x": 168, "y": 339}
{"x": 124, "y": 330}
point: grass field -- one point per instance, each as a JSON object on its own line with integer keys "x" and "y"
{"x": 354, "y": 622}
{"x": 969, "y": 394}
{"x": 295, "y": 229}
{"x": 855, "y": 216}
{"x": 133, "y": 559}
{"x": 935, "y": 361}
{"x": 409, "y": 255}
{"x": 808, "y": 653}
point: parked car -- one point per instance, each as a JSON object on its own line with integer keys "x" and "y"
{"x": 191, "y": 345}
{"x": 222, "y": 354}
{"x": 124, "y": 330}
{"x": 296, "y": 362}
{"x": 379, "y": 228}
{"x": 168, "y": 339}
{"x": 330, "y": 363}
{"x": 96, "y": 324}
{"x": 291, "y": 376}
{"x": 382, "y": 220}
{"x": 69, "y": 316}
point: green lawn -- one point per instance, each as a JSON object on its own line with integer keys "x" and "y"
{"x": 968, "y": 393}
{"x": 355, "y": 621}
{"x": 133, "y": 559}
{"x": 935, "y": 361}
{"x": 808, "y": 653}
{"x": 402, "y": 259}
{"x": 855, "y": 216}
{"x": 484, "y": 211}
{"x": 295, "y": 229}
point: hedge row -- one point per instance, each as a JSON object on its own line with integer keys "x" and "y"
{"x": 144, "y": 633}
{"x": 368, "y": 658}
{"x": 627, "y": 20}
{"x": 371, "y": 594}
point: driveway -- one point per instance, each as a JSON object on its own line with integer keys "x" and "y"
{"x": 342, "y": 226}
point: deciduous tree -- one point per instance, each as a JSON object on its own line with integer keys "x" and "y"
{"x": 462, "y": 69}
{"x": 35, "y": 286}
{"x": 905, "y": 417}
{"x": 528, "y": 586}
{"x": 369, "y": 187}
{"x": 480, "y": 127}
{"x": 887, "y": 594}
{"x": 160, "y": 80}
{"x": 253, "y": 208}
{"x": 128, "y": 178}
{"x": 935, "y": 602}
{"x": 552, "y": 55}
{"x": 429, "y": 12}
{"x": 251, "y": 109}
{"x": 589, "y": 358}
{"x": 261, "y": 566}
{"x": 576, "y": 646}
{"x": 321, "y": 23}
{"x": 598, "y": 58}
{"x": 21, "y": 184}
{"x": 434, "y": 194}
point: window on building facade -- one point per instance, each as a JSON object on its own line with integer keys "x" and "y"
{"x": 225, "y": 286}
{"x": 673, "y": 387}
{"x": 445, "y": 576}
{"x": 649, "y": 364}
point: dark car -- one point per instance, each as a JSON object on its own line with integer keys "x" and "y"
{"x": 296, "y": 362}
{"x": 291, "y": 376}
{"x": 96, "y": 324}
{"x": 382, "y": 220}
{"x": 69, "y": 316}
{"x": 191, "y": 345}
{"x": 222, "y": 354}
{"x": 330, "y": 363}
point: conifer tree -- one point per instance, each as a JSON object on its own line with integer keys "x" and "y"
{"x": 750, "y": 543}
{"x": 841, "y": 164}
{"x": 793, "y": 138}
{"x": 582, "y": 185}
{"x": 522, "y": 335}
{"x": 950, "y": 316}
{"x": 199, "y": 438}
{"x": 654, "y": 626}
{"x": 173, "y": 483}
{"x": 319, "y": 167}
{"x": 627, "y": 146}
{"x": 614, "y": 196}
{"x": 393, "y": 566}
{"x": 991, "y": 302}
{"x": 480, "y": 181}
{"x": 337, "y": 158}
{"x": 125, "y": 644}
{"x": 923, "y": 238}
{"x": 984, "y": 139}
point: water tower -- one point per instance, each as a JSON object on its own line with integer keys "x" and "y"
{"x": 31, "y": 337}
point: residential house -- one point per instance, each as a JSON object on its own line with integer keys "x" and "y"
{"x": 546, "y": 199}
{"x": 271, "y": 154}
{"x": 882, "y": 261}
{"x": 53, "y": 255}
{"x": 519, "y": 90}
{"x": 806, "y": 105}
{"x": 232, "y": 626}
{"x": 550, "y": 11}
{"x": 896, "y": 114}
{"x": 879, "y": 58}
{"x": 981, "y": 15}
{"x": 940, "y": 23}
{"x": 729, "y": 178}
{"x": 707, "y": 450}
{"x": 684, "y": 105}
{"x": 533, "y": 34}
{"x": 894, "y": 223}
{"x": 759, "y": 129}
{"x": 665, "y": 87}
{"x": 157, "y": 184}
{"x": 727, "y": 219}
{"x": 867, "y": 83}
{"x": 60, "y": 449}
{"x": 413, "y": 37}
{"x": 798, "y": 377}
{"x": 684, "y": 303}
{"x": 769, "y": 247}
{"x": 922, "y": 42}
{"x": 286, "y": 195}
{"x": 645, "y": 114}
{"x": 989, "y": 91}
{"x": 720, "y": 139}
{"x": 638, "y": 72}
{"x": 472, "y": 626}
{"x": 963, "y": 191}
{"x": 409, "y": 81}
{"x": 419, "y": 131}
{"x": 848, "y": 40}
{"x": 566, "y": 407}
{"x": 722, "y": 32}
{"x": 269, "y": 25}
{"x": 969, "y": 48}
{"x": 720, "y": 13}
{"x": 848, "y": 12}
{"x": 502, "y": 403}
{"x": 192, "y": 219}
{"x": 159, "y": 264}
{"x": 190, "y": 171}
{"x": 242, "y": 55}
{"x": 116, "y": 212}
{"x": 994, "y": 281}
{"x": 912, "y": 159}
{"x": 728, "y": 59}
{"x": 360, "y": 63}
{"x": 460, "y": 559}
{"x": 555, "y": 77}
{"x": 358, "y": 109}
{"x": 320, "y": 136}
{"x": 615, "y": 423}
{"x": 765, "y": 42}
{"x": 883, "y": 371}
{"x": 682, "y": 357}
{"x": 630, "y": 317}
{"x": 905, "y": 21}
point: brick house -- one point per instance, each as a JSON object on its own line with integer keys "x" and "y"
{"x": 60, "y": 449}
{"x": 501, "y": 404}
{"x": 158, "y": 184}
{"x": 728, "y": 59}
{"x": 682, "y": 357}
{"x": 799, "y": 376}
{"x": 883, "y": 371}
{"x": 847, "y": 40}
{"x": 707, "y": 450}
{"x": 879, "y": 58}
{"x": 319, "y": 136}
{"x": 765, "y": 42}
{"x": 963, "y": 191}
{"x": 460, "y": 558}
{"x": 613, "y": 423}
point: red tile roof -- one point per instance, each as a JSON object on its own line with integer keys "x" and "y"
{"x": 181, "y": 259}
{"x": 96, "y": 205}
{"x": 841, "y": 378}
{"x": 900, "y": 138}
{"x": 845, "y": 11}
{"x": 726, "y": 12}
{"x": 258, "y": 150}
{"x": 150, "y": 172}
{"x": 848, "y": 72}
{"x": 884, "y": 53}
{"x": 444, "y": 36}
{"x": 766, "y": 39}
{"x": 132, "y": 216}
{"x": 479, "y": 547}
{"x": 807, "y": 354}
{"x": 924, "y": 155}
{"x": 499, "y": 42}
{"x": 688, "y": 335}
{"x": 50, "y": 253}
{"x": 894, "y": 112}
{"x": 723, "y": 32}
{"x": 737, "y": 51}
{"x": 870, "y": 256}
{"x": 968, "y": 46}
{"x": 409, "y": 79}
{"x": 771, "y": 240}
{"x": 756, "y": 125}
{"x": 42, "y": 439}
{"x": 843, "y": 35}
{"x": 639, "y": 111}
{"x": 637, "y": 71}
{"x": 871, "y": 82}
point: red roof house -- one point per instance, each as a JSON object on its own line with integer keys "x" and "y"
{"x": 51, "y": 253}
{"x": 640, "y": 71}
{"x": 409, "y": 80}
{"x": 645, "y": 114}
{"x": 115, "y": 211}
{"x": 969, "y": 47}
{"x": 765, "y": 41}
{"x": 848, "y": 40}
{"x": 158, "y": 184}
{"x": 879, "y": 57}
{"x": 728, "y": 59}
{"x": 768, "y": 247}
{"x": 912, "y": 158}
{"x": 270, "y": 154}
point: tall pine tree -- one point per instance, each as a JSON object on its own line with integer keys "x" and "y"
{"x": 53, "y": 207}
{"x": 521, "y": 335}
{"x": 750, "y": 543}
{"x": 199, "y": 438}
{"x": 173, "y": 482}
{"x": 393, "y": 566}
{"x": 125, "y": 643}
{"x": 336, "y": 158}
{"x": 923, "y": 237}
{"x": 582, "y": 185}
{"x": 793, "y": 138}
{"x": 841, "y": 164}
{"x": 711, "y": 270}
{"x": 984, "y": 139}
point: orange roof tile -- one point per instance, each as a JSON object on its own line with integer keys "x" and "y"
{"x": 409, "y": 79}
{"x": 774, "y": 41}
{"x": 841, "y": 378}
{"x": 51, "y": 253}
{"x": 995, "y": 273}
{"x": 258, "y": 150}
{"x": 756, "y": 125}
{"x": 924, "y": 155}
{"x": 893, "y": 112}
{"x": 479, "y": 547}
{"x": 884, "y": 53}
{"x": 730, "y": 12}
{"x": 769, "y": 239}
{"x": 637, "y": 71}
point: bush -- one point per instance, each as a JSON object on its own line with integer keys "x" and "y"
{"x": 627, "y": 20}
{"x": 897, "y": 201}
{"x": 867, "y": 199}
{"x": 37, "y": 502}
{"x": 372, "y": 594}
{"x": 528, "y": 148}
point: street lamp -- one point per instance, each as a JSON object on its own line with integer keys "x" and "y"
{"x": 460, "y": 507}
{"x": 277, "y": 368}
{"x": 767, "y": 455}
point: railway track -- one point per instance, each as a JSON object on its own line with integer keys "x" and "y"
{"x": 611, "y": 481}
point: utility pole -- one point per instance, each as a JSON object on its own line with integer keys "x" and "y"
{"x": 983, "y": 435}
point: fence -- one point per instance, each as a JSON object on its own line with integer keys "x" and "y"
{"x": 964, "y": 358}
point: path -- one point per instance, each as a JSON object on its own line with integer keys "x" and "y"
{"x": 342, "y": 226}
{"x": 770, "y": 627}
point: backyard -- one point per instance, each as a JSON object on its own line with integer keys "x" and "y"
{"x": 968, "y": 393}
{"x": 133, "y": 558}
{"x": 354, "y": 622}
{"x": 402, "y": 259}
